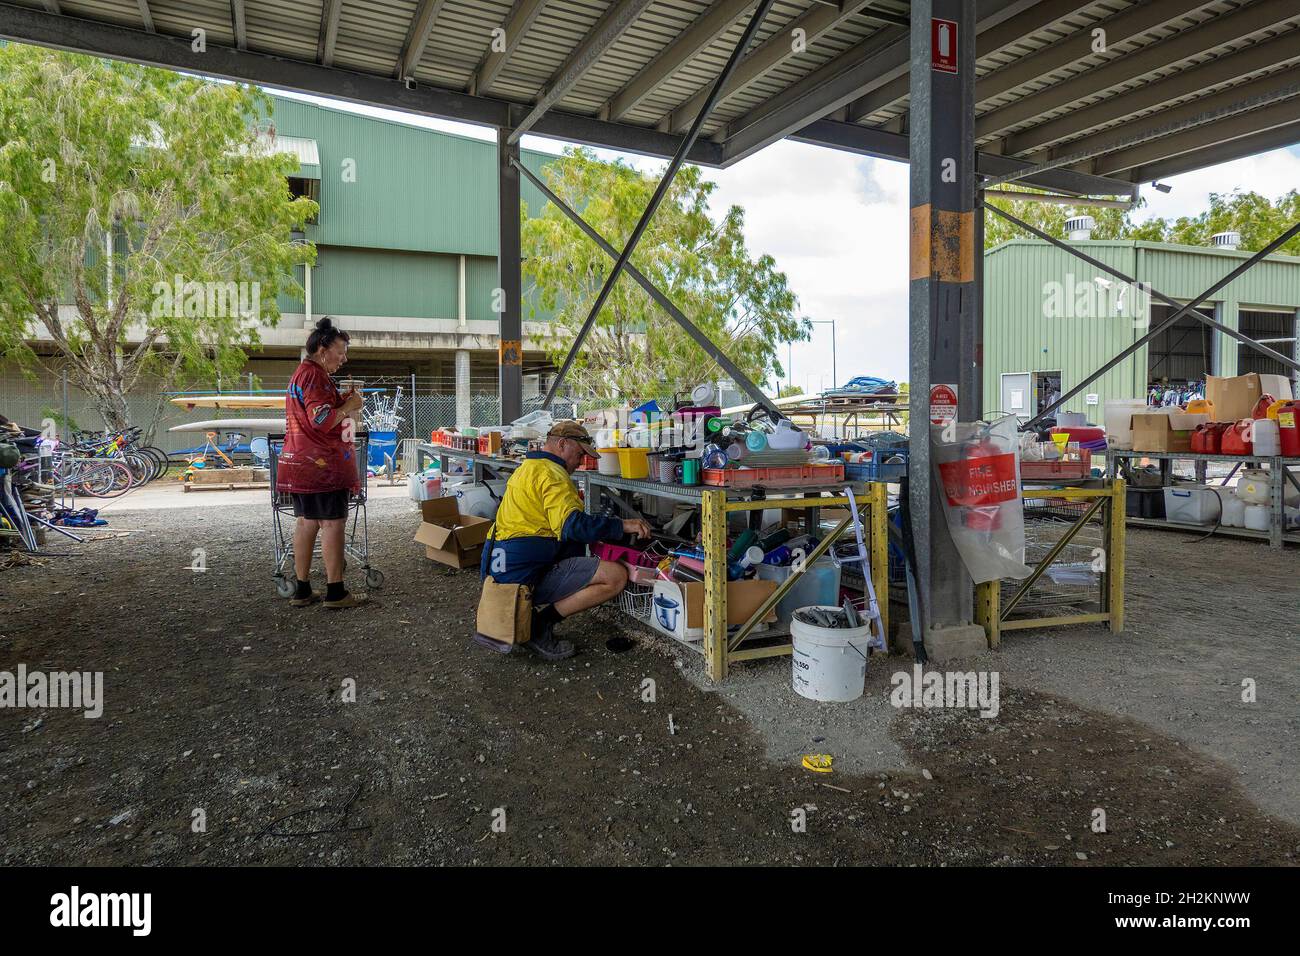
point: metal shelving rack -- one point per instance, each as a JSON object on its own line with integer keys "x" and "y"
{"x": 1279, "y": 468}
{"x": 715, "y": 504}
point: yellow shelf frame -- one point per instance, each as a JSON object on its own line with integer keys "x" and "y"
{"x": 989, "y": 613}
{"x": 873, "y": 507}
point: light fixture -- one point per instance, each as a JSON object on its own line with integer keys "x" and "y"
{"x": 1164, "y": 188}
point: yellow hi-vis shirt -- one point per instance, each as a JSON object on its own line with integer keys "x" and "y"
{"x": 541, "y": 521}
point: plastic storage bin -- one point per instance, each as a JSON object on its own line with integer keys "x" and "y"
{"x": 880, "y": 468}
{"x": 819, "y": 585}
{"x": 1192, "y": 504}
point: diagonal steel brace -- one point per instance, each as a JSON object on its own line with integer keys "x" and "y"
{"x": 702, "y": 340}
{"x": 660, "y": 192}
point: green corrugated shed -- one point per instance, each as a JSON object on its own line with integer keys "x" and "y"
{"x": 386, "y": 185}
{"x": 398, "y": 205}
{"x": 1022, "y": 276}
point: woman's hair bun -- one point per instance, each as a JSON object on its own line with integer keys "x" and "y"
{"x": 324, "y": 335}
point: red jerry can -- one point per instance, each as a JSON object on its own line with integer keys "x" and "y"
{"x": 1288, "y": 427}
{"x": 1237, "y": 439}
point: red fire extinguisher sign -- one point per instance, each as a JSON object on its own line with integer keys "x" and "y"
{"x": 980, "y": 479}
{"x": 943, "y": 45}
{"x": 943, "y": 404}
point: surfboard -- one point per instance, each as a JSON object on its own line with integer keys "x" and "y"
{"x": 232, "y": 424}
{"x": 229, "y": 401}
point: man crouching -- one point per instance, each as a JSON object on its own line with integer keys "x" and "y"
{"x": 539, "y": 538}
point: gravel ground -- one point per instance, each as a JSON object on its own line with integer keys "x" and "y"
{"x": 225, "y": 705}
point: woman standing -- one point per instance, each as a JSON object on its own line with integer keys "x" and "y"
{"x": 318, "y": 465}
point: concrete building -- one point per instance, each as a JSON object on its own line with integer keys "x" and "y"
{"x": 1051, "y": 319}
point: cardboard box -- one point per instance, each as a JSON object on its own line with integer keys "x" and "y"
{"x": 677, "y": 608}
{"x": 1166, "y": 430}
{"x": 1279, "y": 386}
{"x": 1234, "y": 398}
{"x": 450, "y": 537}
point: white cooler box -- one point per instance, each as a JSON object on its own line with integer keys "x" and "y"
{"x": 1192, "y": 504}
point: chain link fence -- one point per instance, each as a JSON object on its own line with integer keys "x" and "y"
{"x": 30, "y": 399}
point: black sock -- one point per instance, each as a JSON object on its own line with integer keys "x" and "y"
{"x": 334, "y": 591}
{"x": 547, "y": 617}
{"x": 304, "y": 590}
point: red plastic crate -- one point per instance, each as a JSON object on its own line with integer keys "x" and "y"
{"x": 786, "y": 476}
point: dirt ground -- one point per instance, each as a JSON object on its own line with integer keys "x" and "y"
{"x": 221, "y": 699}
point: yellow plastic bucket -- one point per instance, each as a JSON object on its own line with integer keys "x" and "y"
{"x": 634, "y": 463}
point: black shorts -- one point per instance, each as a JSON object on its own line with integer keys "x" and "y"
{"x": 322, "y": 505}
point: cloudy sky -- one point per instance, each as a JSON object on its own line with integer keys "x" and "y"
{"x": 837, "y": 226}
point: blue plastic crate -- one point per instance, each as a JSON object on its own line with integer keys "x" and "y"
{"x": 877, "y": 470}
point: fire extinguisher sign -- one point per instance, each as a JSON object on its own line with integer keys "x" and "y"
{"x": 943, "y": 45}
{"x": 943, "y": 404}
{"x": 979, "y": 480}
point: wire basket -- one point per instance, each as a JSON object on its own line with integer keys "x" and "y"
{"x": 635, "y": 601}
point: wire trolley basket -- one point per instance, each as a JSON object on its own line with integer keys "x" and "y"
{"x": 356, "y": 540}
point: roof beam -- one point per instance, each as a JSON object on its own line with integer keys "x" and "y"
{"x": 1199, "y": 39}
{"x": 417, "y": 37}
{"x": 146, "y": 18}
{"x": 1123, "y": 27}
{"x": 516, "y": 27}
{"x": 878, "y": 60}
{"x": 329, "y": 32}
{"x": 881, "y": 144}
{"x": 618, "y": 17}
{"x": 1163, "y": 124}
{"x": 1282, "y": 113}
{"x": 1279, "y": 137}
{"x": 238, "y": 25}
{"x": 778, "y": 48}
{"x": 869, "y": 65}
{"x": 1264, "y": 55}
{"x": 26, "y": 25}
{"x": 711, "y": 24}
{"x": 989, "y": 40}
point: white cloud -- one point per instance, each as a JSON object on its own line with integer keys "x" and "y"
{"x": 1270, "y": 174}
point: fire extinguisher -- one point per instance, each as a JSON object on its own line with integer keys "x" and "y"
{"x": 980, "y": 517}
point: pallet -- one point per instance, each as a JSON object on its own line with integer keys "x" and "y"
{"x": 241, "y": 474}
{"x": 228, "y": 486}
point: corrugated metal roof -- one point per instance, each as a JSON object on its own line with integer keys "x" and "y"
{"x": 1037, "y": 66}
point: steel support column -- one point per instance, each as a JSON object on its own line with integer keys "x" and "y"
{"x": 510, "y": 350}
{"x": 943, "y": 306}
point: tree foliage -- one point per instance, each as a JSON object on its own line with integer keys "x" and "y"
{"x": 1257, "y": 219}
{"x": 173, "y": 169}
{"x": 635, "y": 350}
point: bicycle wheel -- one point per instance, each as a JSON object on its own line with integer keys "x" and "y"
{"x": 142, "y": 467}
{"x": 105, "y": 479}
{"x": 160, "y": 460}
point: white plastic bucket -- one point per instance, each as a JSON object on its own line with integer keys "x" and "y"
{"x": 829, "y": 663}
{"x": 608, "y": 462}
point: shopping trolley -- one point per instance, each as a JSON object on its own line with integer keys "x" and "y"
{"x": 356, "y": 540}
